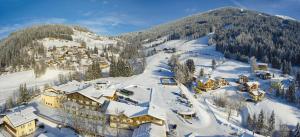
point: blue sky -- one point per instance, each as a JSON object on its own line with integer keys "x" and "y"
{"x": 112, "y": 17}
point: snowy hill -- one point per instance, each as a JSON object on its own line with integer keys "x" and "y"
{"x": 285, "y": 17}
{"x": 91, "y": 39}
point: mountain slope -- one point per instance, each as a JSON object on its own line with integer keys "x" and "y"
{"x": 238, "y": 32}
{"x": 14, "y": 49}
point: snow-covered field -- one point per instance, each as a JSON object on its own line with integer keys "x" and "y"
{"x": 92, "y": 40}
{"x": 10, "y": 83}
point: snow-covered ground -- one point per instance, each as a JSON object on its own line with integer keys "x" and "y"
{"x": 92, "y": 40}
{"x": 10, "y": 83}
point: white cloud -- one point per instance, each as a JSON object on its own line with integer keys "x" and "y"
{"x": 190, "y": 10}
{"x": 237, "y": 3}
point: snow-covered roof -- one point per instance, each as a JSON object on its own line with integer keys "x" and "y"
{"x": 140, "y": 93}
{"x": 46, "y": 135}
{"x": 21, "y": 116}
{"x": 205, "y": 80}
{"x": 117, "y": 108}
{"x": 257, "y": 92}
{"x": 243, "y": 75}
{"x": 187, "y": 112}
{"x": 149, "y": 130}
{"x": 49, "y": 93}
{"x": 262, "y": 64}
{"x": 96, "y": 94}
{"x": 71, "y": 86}
{"x": 252, "y": 83}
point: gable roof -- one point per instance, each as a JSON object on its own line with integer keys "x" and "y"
{"x": 149, "y": 130}
{"x": 97, "y": 94}
{"x": 21, "y": 116}
{"x": 131, "y": 111}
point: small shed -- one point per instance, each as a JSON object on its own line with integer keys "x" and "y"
{"x": 243, "y": 79}
{"x": 168, "y": 81}
{"x": 187, "y": 114}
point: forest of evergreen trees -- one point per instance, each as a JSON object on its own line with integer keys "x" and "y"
{"x": 239, "y": 34}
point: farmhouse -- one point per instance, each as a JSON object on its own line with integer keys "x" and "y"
{"x": 249, "y": 86}
{"x": 257, "y": 95}
{"x": 122, "y": 115}
{"x": 20, "y": 122}
{"x": 206, "y": 84}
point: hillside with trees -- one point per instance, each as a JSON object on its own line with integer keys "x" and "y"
{"x": 19, "y": 49}
{"x": 238, "y": 33}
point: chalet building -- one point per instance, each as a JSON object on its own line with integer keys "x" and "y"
{"x": 206, "y": 84}
{"x": 20, "y": 122}
{"x": 262, "y": 66}
{"x": 257, "y": 95}
{"x": 220, "y": 82}
{"x": 243, "y": 79}
{"x": 150, "y": 130}
{"x": 122, "y": 115}
{"x": 249, "y": 86}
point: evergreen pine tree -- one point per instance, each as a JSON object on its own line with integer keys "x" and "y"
{"x": 271, "y": 123}
{"x": 254, "y": 123}
{"x": 213, "y": 64}
{"x": 297, "y": 130}
{"x": 261, "y": 121}
{"x": 291, "y": 93}
{"x": 201, "y": 73}
{"x": 249, "y": 122}
{"x": 191, "y": 65}
{"x": 298, "y": 78}
{"x": 24, "y": 95}
{"x": 9, "y": 103}
{"x": 93, "y": 71}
